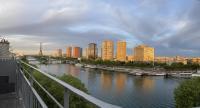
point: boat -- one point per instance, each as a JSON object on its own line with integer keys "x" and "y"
{"x": 160, "y": 74}
{"x": 109, "y": 68}
{"x": 138, "y": 74}
{"x": 198, "y": 71}
{"x": 91, "y": 66}
{"x": 185, "y": 75}
{"x": 131, "y": 73}
{"x": 182, "y": 75}
{"x": 196, "y": 75}
{"x": 71, "y": 62}
{"x": 79, "y": 65}
{"x": 134, "y": 71}
{"x": 86, "y": 66}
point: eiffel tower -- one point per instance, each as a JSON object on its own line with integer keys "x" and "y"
{"x": 40, "y": 52}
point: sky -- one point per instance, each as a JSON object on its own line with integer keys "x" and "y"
{"x": 172, "y": 27}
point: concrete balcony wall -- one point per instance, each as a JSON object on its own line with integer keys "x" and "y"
{"x": 8, "y": 68}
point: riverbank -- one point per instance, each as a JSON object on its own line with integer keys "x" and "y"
{"x": 144, "y": 71}
{"x": 141, "y": 69}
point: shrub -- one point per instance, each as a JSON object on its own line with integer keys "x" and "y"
{"x": 187, "y": 94}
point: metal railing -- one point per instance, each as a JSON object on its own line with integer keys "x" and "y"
{"x": 6, "y": 58}
{"x": 26, "y": 92}
{"x": 68, "y": 89}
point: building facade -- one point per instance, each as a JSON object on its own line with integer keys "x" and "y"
{"x": 107, "y": 50}
{"x": 59, "y": 53}
{"x": 180, "y": 59}
{"x": 195, "y": 60}
{"x": 76, "y": 52}
{"x": 170, "y": 60}
{"x": 121, "y": 51}
{"x": 92, "y": 51}
{"x": 130, "y": 58}
{"x": 167, "y": 60}
{"x": 69, "y": 52}
{"x": 143, "y": 53}
{"x": 85, "y": 53}
{"x": 81, "y": 52}
{"x": 4, "y": 49}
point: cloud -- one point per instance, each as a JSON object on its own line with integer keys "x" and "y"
{"x": 169, "y": 26}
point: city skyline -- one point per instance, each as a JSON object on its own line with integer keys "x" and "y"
{"x": 171, "y": 27}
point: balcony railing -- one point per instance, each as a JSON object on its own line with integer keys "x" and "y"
{"x": 27, "y": 93}
{"x": 33, "y": 100}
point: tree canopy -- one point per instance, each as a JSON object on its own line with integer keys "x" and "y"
{"x": 57, "y": 90}
{"x": 187, "y": 94}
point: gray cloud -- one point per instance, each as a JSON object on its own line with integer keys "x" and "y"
{"x": 172, "y": 27}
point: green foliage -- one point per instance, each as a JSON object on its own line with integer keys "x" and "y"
{"x": 42, "y": 59}
{"x": 24, "y": 59}
{"x": 51, "y": 86}
{"x": 74, "y": 82}
{"x": 181, "y": 66}
{"x": 58, "y": 91}
{"x": 117, "y": 63}
{"x": 135, "y": 64}
{"x": 187, "y": 95}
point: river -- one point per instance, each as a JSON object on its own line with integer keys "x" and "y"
{"x": 120, "y": 88}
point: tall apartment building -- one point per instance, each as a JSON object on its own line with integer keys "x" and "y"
{"x": 69, "y": 52}
{"x": 85, "y": 53}
{"x": 92, "y": 51}
{"x": 107, "y": 50}
{"x": 76, "y": 52}
{"x": 143, "y": 53}
{"x": 121, "y": 51}
{"x": 58, "y": 53}
{"x": 81, "y": 52}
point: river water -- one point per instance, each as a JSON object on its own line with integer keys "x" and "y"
{"x": 120, "y": 88}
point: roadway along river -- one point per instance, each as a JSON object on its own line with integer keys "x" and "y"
{"x": 120, "y": 88}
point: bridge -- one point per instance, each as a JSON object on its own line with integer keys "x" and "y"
{"x": 17, "y": 90}
{"x": 50, "y": 60}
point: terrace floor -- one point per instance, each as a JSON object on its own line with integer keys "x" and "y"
{"x": 10, "y": 100}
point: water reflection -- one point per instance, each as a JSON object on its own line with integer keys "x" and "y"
{"x": 144, "y": 83}
{"x": 75, "y": 72}
{"x": 120, "y": 88}
{"x": 106, "y": 81}
{"x": 120, "y": 82}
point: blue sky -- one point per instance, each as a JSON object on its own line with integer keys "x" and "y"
{"x": 171, "y": 26}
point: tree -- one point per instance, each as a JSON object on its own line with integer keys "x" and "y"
{"x": 57, "y": 90}
{"x": 24, "y": 59}
{"x": 187, "y": 94}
